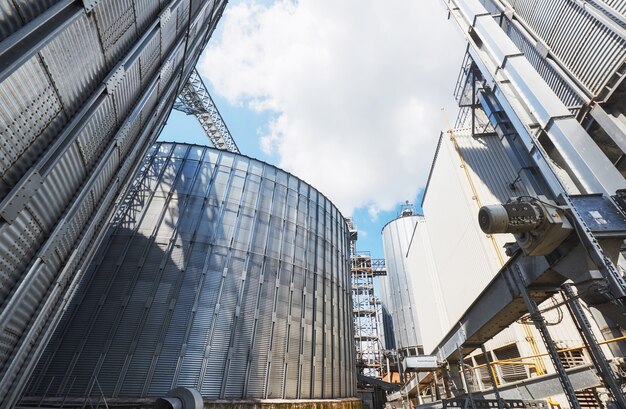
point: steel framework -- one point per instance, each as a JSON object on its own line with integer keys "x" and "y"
{"x": 366, "y": 308}
{"x": 567, "y": 165}
{"x": 194, "y": 99}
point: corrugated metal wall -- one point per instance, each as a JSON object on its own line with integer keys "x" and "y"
{"x": 84, "y": 89}
{"x": 467, "y": 173}
{"x": 429, "y": 297}
{"x": 220, "y": 273}
{"x": 398, "y": 297}
{"x": 585, "y": 43}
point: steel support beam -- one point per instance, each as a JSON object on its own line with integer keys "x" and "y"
{"x": 597, "y": 356}
{"x": 498, "y": 306}
{"x": 537, "y": 114}
{"x": 540, "y": 324}
{"x": 611, "y": 125}
{"x": 195, "y": 99}
{"x": 493, "y": 379}
{"x": 20, "y": 46}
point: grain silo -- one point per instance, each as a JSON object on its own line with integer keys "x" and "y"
{"x": 220, "y": 273}
{"x": 398, "y": 297}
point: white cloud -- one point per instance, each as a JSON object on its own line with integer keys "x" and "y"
{"x": 356, "y": 89}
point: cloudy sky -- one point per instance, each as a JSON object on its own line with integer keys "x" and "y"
{"x": 347, "y": 95}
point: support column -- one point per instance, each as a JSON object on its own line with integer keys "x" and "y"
{"x": 597, "y": 356}
{"x": 540, "y": 324}
{"x": 493, "y": 378}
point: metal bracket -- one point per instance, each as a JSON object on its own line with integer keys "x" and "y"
{"x": 115, "y": 79}
{"x": 89, "y": 5}
{"x": 20, "y": 196}
{"x": 165, "y": 16}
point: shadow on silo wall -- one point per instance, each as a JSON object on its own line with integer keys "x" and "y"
{"x": 220, "y": 273}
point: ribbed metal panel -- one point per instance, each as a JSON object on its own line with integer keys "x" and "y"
{"x": 200, "y": 283}
{"x": 116, "y": 27}
{"x": 150, "y": 58}
{"x": 15, "y": 13}
{"x": 617, "y": 5}
{"x": 168, "y": 20}
{"x": 75, "y": 62}
{"x": 127, "y": 90}
{"x": 592, "y": 51}
{"x": 399, "y": 297}
{"x": 73, "y": 130}
{"x": 30, "y": 115}
{"x": 424, "y": 283}
{"x": 474, "y": 173}
{"x": 182, "y": 15}
{"x": 548, "y": 72}
{"x": 10, "y": 19}
{"x": 92, "y": 138}
{"x": 146, "y": 12}
{"x": 29, "y": 9}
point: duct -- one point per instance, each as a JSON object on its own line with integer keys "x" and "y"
{"x": 180, "y": 398}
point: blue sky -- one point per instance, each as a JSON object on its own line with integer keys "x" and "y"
{"x": 347, "y": 98}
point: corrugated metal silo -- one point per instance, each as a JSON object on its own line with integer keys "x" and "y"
{"x": 85, "y": 87}
{"x": 220, "y": 273}
{"x": 398, "y": 296}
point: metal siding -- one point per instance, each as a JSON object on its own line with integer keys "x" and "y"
{"x": 116, "y": 27}
{"x": 167, "y": 29}
{"x": 150, "y": 58}
{"x": 30, "y": 9}
{"x": 466, "y": 259}
{"x": 51, "y": 228}
{"x": 182, "y": 15}
{"x": 10, "y": 20}
{"x": 127, "y": 90}
{"x": 16, "y": 13}
{"x": 146, "y": 12}
{"x": 548, "y": 72}
{"x": 75, "y": 63}
{"x": 424, "y": 282}
{"x": 99, "y": 128}
{"x": 617, "y": 5}
{"x": 396, "y": 237}
{"x": 202, "y": 287}
{"x": 30, "y": 115}
{"x": 592, "y": 51}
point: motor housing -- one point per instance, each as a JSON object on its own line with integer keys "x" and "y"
{"x": 538, "y": 224}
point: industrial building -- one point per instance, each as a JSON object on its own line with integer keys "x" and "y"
{"x": 230, "y": 277}
{"x": 531, "y": 311}
{"x": 168, "y": 275}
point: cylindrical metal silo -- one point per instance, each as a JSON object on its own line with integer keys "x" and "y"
{"x": 398, "y": 295}
{"x": 220, "y": 273}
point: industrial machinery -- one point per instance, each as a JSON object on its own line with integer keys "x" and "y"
{"x": 539, "y": 225}
{"x": 571, "y": 225}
